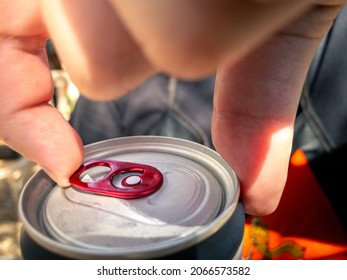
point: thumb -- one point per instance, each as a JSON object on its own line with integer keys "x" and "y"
{"x": 255, "y": 106}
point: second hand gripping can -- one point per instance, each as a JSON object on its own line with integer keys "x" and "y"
{"x": 193, "y": 214}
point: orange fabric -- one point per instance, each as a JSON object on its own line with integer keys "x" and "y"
{"x": 304, "y": 226}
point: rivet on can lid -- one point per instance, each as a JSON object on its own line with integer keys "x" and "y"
{"x": 133, "y": 180}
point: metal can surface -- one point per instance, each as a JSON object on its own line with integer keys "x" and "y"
{"x": 195, "y": 214}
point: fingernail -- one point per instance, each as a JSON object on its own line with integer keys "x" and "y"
{"x": 62, "y": 182}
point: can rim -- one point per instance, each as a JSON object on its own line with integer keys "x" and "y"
{"x": 137, "y": 252}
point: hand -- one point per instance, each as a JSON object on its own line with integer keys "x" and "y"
{"x": 261, "y": 50}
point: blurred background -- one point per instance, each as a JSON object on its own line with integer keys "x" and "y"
{"x": 15, "y": 170}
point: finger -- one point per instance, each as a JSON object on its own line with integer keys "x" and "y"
{"x": 189, "y": 39}
{"x": 96, "y": 50}
{"x": 28, "y": 123}
{"x": 255, "y": 107}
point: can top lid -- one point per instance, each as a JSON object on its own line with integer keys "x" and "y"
{"x": 199, "y": 193}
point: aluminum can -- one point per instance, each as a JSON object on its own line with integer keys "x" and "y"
{"x": 194, "y": 214}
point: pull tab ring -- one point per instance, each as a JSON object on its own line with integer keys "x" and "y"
{"x": 140, "y": 180}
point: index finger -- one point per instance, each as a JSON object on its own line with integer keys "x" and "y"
{"x": 28, "y": 123}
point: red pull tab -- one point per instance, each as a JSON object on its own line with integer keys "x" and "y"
{"x": 140, "y": 179}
